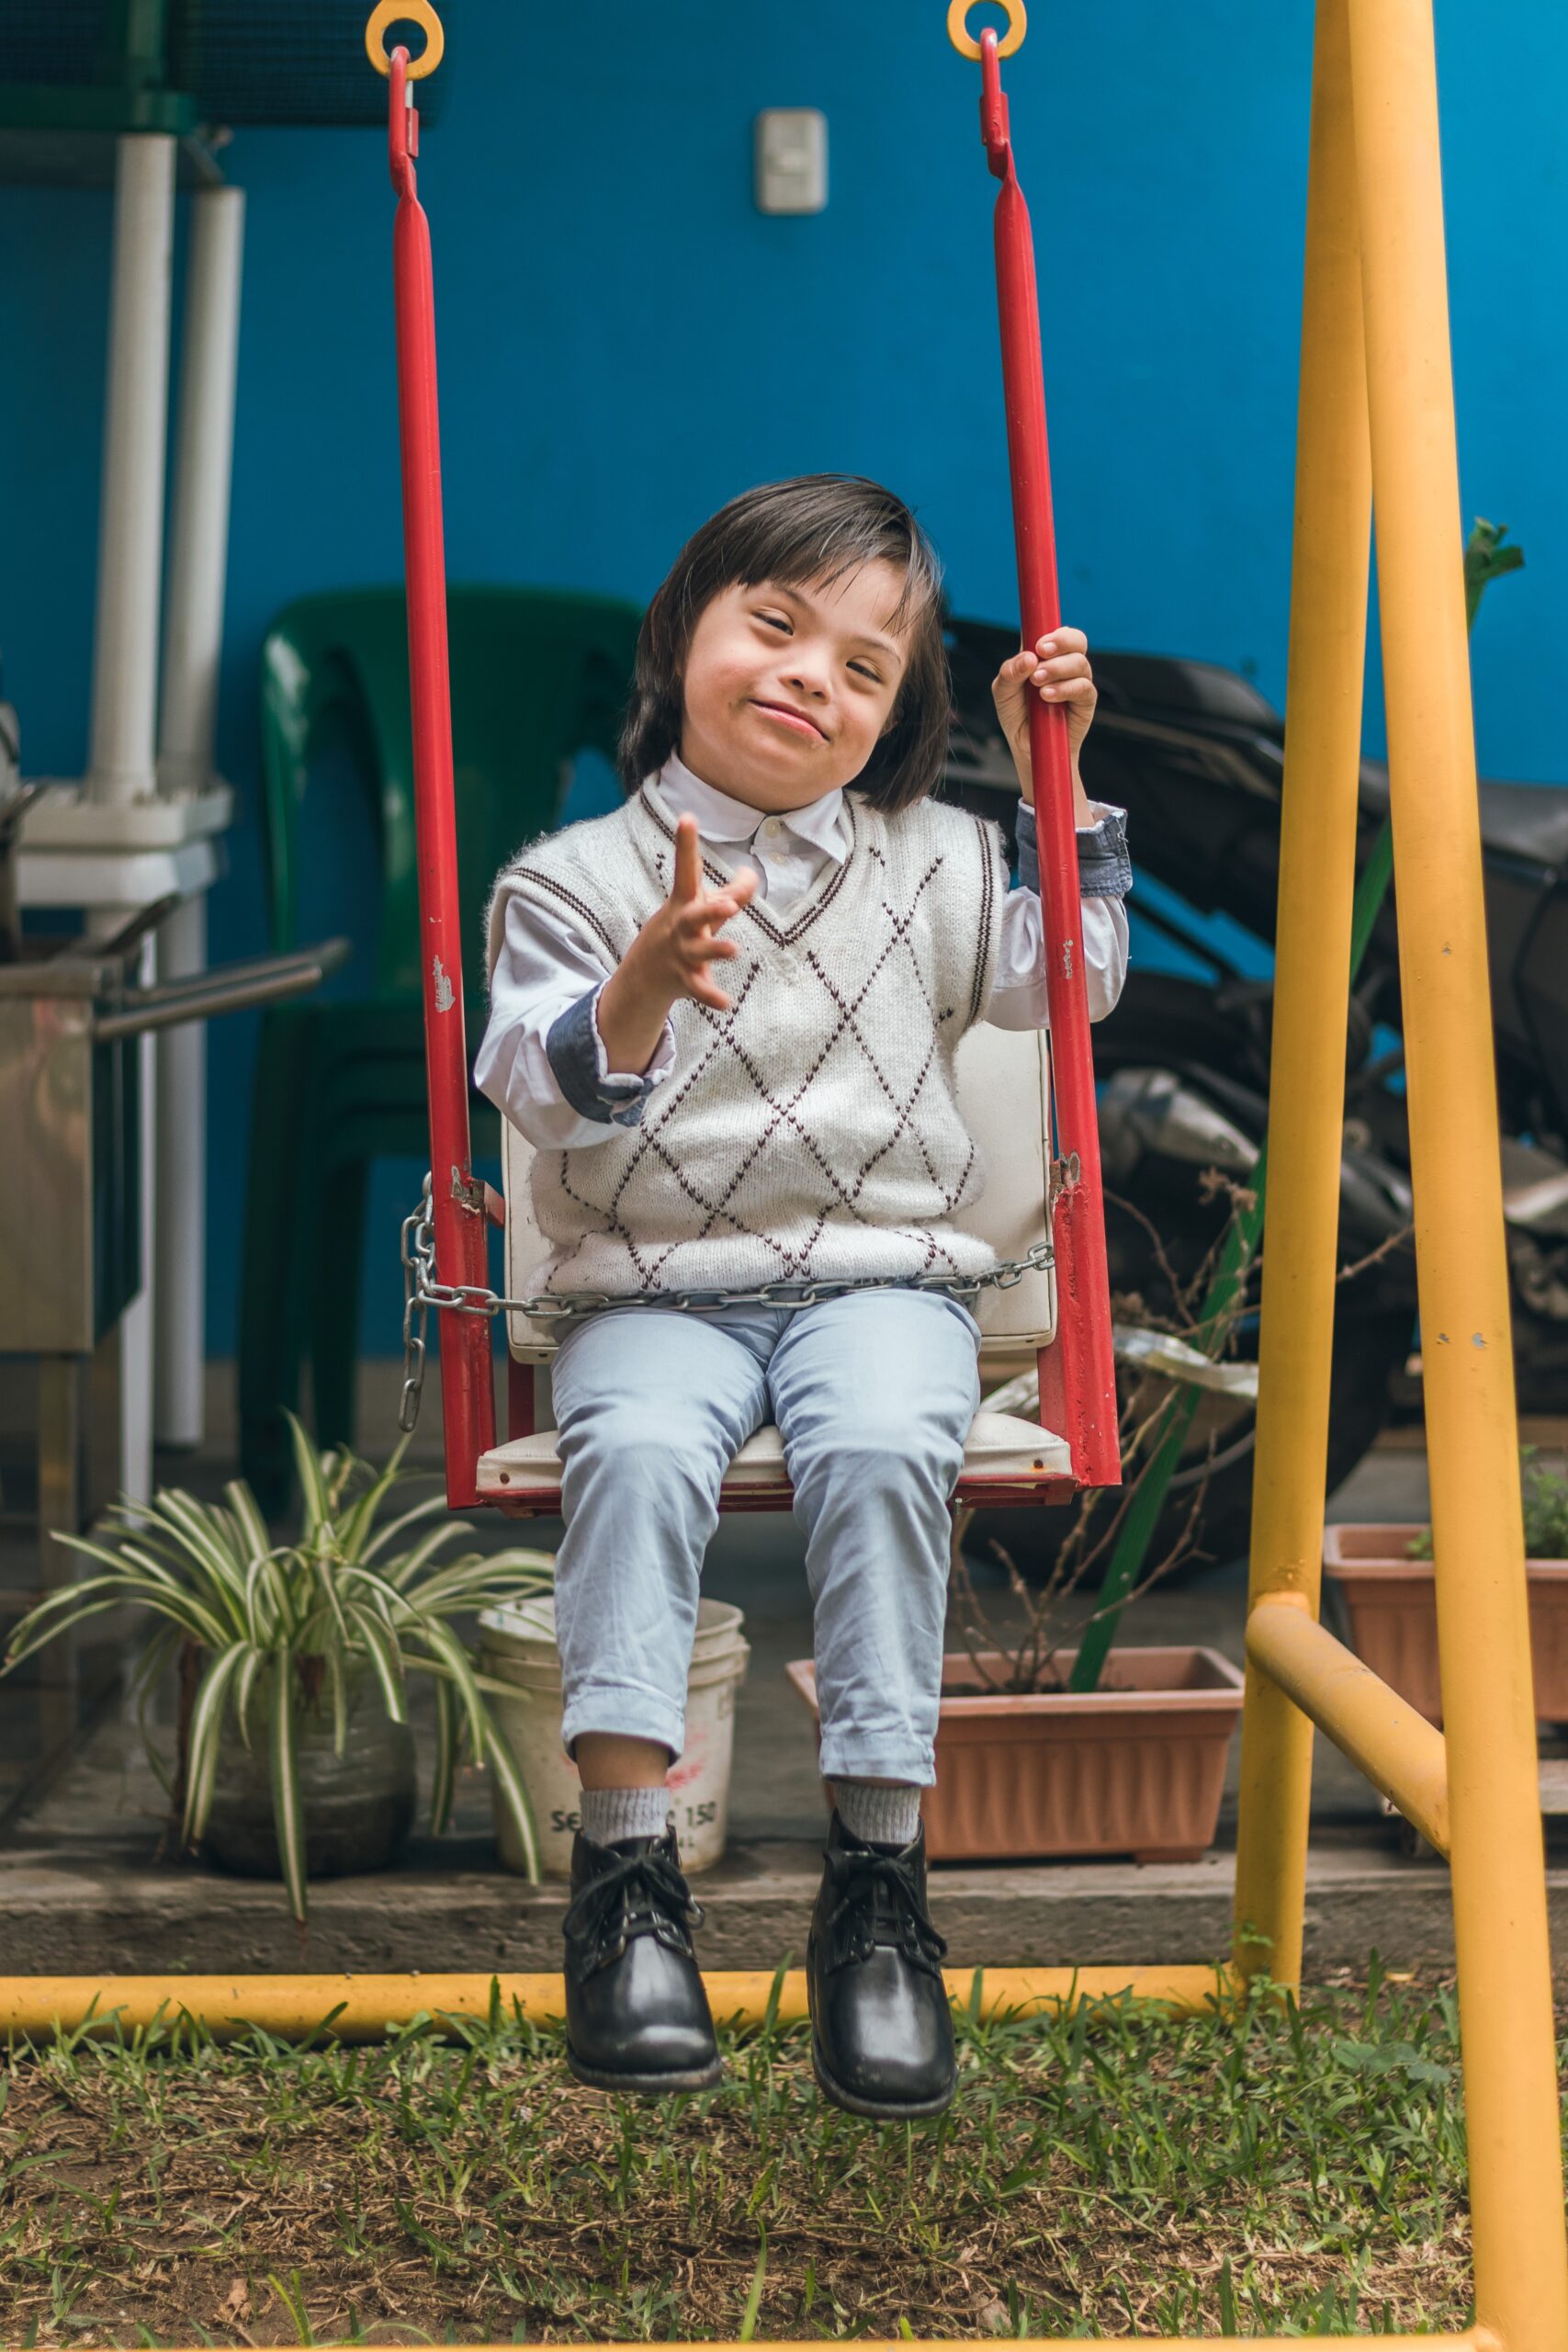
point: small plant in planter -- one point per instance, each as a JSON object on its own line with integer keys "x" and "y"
{"x": 1385, "y": 1576}
{"x": 1544, "y": 1497}
{"x": 294, "y": 1659}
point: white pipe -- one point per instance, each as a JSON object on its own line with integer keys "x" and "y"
{"x": 134, "y": 1469}
{"x": 179, "y": 1249}
{"x": 188, "y": 718}
{"x": 193, "y": 627}
{"x": 125, "y": 653}
{"x": 136, "y": 1361}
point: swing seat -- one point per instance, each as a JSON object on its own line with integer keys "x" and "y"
{"x": 1005, "y": 1093}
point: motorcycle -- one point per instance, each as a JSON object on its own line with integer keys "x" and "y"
{"x": 1196, "y": 755}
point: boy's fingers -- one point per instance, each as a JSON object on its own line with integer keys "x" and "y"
{"x": 697, "y": 943}
{"x": 704, "y": 950}
{"x": 1063, "y": 641}
{"x": 707, "y": 914}
{"x": 738, "y": 891}
{"x": 688, "y": 860}
{"x": 1009, "y": 685}
{"x": 724, "y": 905}
{"x": 1064, "y": 677}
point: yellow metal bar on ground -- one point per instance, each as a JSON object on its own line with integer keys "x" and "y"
{"x": 366, "y": 2007}
{"x": 1400, "y": 1752}
{"x": 1318, "y": 875}
{"x": 1500, "y": 1919}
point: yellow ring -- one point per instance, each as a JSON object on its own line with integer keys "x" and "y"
{"x": 412, "y": 12}
{"x": 959, "y": 35}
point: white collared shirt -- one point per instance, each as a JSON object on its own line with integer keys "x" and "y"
{"x": 548, "y": 961}
{"x": 786, "y": 852}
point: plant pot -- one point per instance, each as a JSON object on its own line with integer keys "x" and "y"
{"x": 1137, "y": 1767}
{"x": 358, "y": 1806}
{"x": 517, "y": 1645}
{"x": 1391, "y": 1603}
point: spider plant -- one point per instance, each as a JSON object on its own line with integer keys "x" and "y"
{"x": 273, "y": 1628}
{"x": 1544, "y": 1494}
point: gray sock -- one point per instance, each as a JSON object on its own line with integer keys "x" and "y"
{"x": 878, "y": 1816}
{"x": 609, "y": 1814}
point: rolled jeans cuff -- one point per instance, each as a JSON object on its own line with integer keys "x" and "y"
{"x": 868, "y": 1756}
{"x": 626, "y": 1711}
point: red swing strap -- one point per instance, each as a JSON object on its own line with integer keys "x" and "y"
{"x": 467, "y": 1391}
{"x": 1077, "y": 1373}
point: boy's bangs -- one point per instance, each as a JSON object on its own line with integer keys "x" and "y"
{"x": 916, "y": 596}
{"x": 803, "y": 550}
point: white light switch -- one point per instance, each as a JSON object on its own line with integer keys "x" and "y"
{"x": 792, "y": 160}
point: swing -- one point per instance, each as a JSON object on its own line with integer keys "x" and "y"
{"x": 1030, "y": 1107}
{"x": 1003, "y": 1082}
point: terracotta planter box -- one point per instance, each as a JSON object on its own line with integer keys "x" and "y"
{"x": 1391, "y": 1603}
{"x": 1136, "y": 1767}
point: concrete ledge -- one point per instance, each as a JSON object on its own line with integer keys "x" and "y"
{"x": 80, "y": 1894}
{"x": 449, "y": 1908}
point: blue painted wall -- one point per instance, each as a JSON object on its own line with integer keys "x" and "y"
{"x": 625, "y": 342}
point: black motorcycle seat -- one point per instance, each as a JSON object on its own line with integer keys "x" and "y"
{"x": 1527, "y": 821}
{"x": 1523, "y": 820}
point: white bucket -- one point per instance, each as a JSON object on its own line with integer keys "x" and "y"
{"x": 518, "y": 1647}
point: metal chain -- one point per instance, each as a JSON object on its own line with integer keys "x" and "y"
{"x": 418, "y": 1247}
{"x": 422, "y": 1292}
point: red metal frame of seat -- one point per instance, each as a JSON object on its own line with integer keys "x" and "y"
{"x": 977, "y": 1493}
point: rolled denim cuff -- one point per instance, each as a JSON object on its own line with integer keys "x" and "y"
{"x": 1105, "y": 870}
{"x": 577, "y": 1057}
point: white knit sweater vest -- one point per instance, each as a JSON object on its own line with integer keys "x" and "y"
{"x": 812, "y": 1132}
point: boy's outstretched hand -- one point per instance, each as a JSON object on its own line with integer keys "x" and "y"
{"x": 1058, "y": 671}
{"x": 670, "y": 957}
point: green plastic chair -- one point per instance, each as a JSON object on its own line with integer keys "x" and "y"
{"x": 538, "y": 675}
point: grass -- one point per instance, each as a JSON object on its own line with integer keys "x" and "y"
{"x": 1119, "y": 2171}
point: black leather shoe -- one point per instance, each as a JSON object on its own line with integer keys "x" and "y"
{"x": 636, "y": 2010}
{"x": 881, "y": 2029}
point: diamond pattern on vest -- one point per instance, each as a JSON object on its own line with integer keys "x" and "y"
{"x": 812, "y": 1130}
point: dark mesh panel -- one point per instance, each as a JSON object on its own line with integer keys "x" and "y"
{"x": 246, "y": 60}
{"x": 62, "y": 42}
{"x": 291, "y": 61}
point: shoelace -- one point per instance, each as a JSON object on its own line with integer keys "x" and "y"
{"x": 881, "y": 1899}
{"x": 605, "y": 1912}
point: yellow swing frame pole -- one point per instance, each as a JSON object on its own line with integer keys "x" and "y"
{"x": 1317, "y": 877}
{"x": 1498, "y": 1862}
{"x": 1382, "y": 380}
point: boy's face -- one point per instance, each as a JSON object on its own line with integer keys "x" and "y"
{"x": 787, "y": 690}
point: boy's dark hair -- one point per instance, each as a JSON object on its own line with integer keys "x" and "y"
{"x": 810, "y": 530}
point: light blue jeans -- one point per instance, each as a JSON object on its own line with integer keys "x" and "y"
{"x": 873, "y": 1394}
